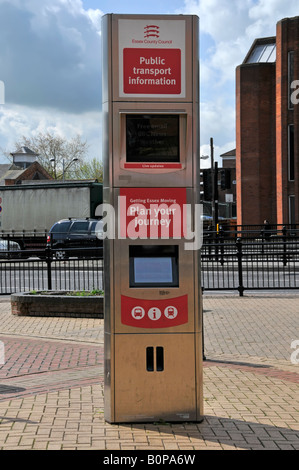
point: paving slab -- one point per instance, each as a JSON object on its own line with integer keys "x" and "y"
{"x": 51, "y": 384}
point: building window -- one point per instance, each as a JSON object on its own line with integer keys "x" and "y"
{"x": 290, "y": 77}
{"x": 291, "y": 152}
{"x": 263, "y": 53}
{"x": 292, "y": 210}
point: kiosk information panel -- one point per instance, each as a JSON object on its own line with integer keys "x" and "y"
{"x": 152, "y": 138}
{"x": 153, "y": 302}
{"x": 151, "y": 57}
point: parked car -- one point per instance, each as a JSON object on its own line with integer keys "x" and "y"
{"x": 8, "y": 249}
{"x": 75, "y": 237}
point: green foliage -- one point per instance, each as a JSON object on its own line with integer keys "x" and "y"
{"x": 91, "y": 169}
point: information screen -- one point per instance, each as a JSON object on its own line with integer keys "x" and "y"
{"x": 152, "y": 138}
{"x": 153, "y": 269}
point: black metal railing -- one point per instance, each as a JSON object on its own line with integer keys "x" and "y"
{"x": 241, "y": 264}
{"x": 40, "y": 270}
{"x": 228, "y": 231}
{"x": 250, "y": 264}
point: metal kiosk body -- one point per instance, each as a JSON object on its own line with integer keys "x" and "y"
{"x": 153, "y": 304}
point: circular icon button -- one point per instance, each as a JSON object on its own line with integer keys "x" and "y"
{"x": 170, "y": 312}
{"x": 138, "y": 313}
{"x": 154, "y": 313}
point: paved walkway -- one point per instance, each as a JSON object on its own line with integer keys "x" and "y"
{"x": 51, "y": 385}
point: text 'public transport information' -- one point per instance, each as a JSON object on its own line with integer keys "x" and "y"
{"x": 152, "y": 58}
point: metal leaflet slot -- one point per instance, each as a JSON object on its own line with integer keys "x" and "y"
{"x": 159, "y": 358}
{"x": 150, "y": 359}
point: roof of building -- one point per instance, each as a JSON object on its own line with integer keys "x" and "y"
{"x": 13, "y": 172}
{"x": 6, "y": 169}
{"x": 263, "y": 50}
{"x": 230, "y": 153}
{"x": 24, "y": 150}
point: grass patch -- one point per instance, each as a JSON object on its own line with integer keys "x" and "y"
{"x": 75, "y": 293}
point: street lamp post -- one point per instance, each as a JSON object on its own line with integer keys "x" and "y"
{"x": 63, "y": 165}
{"x": 214, "y": 183}
{"x": 214, "y": 168}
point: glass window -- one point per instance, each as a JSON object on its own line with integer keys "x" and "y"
{"x": 256, "y": 54}
{"x": 269, "y": 54}
{"x": 291, "y": 152}
{"x": 61, "y": 228}
{"x": 290, "y": 77}
{"x": 263, "y": 53}
{"x": 291, "y": 210}
{"x": 80, "y": 227}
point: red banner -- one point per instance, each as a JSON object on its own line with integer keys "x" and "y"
{"x": 152, "y": 213}
{"x": 164, "y": 313}
{"x": 152, "y": 71}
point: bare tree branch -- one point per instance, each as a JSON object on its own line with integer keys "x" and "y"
{"x": 55, "y": 152}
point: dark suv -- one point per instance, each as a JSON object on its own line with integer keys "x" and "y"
{"x": 80, "y": 234}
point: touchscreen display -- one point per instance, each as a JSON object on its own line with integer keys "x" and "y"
{"x": 153, "y": 266}
{"x": 153, "y": 270}
{"x": 152, "y": 138}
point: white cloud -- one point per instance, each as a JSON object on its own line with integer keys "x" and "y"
{"x": 95, "y": 17}
{"x": 269, "y": 10}
{"x": 17, "y": 121}
{"x": 231, "y": 26}
{"x": 216, "y": 120}
{"x": 50, "y": 54}
{"x": 50, "y": 62}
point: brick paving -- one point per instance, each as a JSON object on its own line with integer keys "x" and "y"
{"x": 51, "y": 385}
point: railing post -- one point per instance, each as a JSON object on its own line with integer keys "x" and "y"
{"x": 221, "y": 241}
{"x": 203, "y": 336}
{"x": 284, "y": 242}
{"x": 216, "y": 241}
{"x": 240, "y": 267}
{"x": 48, "y": 253}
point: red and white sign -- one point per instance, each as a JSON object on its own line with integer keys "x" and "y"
{"x": 152, "y": 58}
{"x": 152, "y": 213}
{"x": 153, "y": 166}
{"x": 142, "y": 313}
{"x": 152, "y": 71}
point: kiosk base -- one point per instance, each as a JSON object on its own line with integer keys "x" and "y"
{"x": 154, "y": 378}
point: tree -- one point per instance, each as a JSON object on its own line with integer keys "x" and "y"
{"x": 91, "y": 169}
{"x": 56, "y": 154}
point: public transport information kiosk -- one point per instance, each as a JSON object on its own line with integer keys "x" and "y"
{"x": 153, "y": 300}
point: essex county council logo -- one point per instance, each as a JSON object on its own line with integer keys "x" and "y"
{"x": 151, "y": 31}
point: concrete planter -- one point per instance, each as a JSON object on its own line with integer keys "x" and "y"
{"x": 57, "y": 304}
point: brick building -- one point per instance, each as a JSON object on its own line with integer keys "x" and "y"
{"x": 267, "y": 129}
{"x": 24, "y": 167}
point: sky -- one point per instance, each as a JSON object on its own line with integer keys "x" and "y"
{"x": 50, "y": 63}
